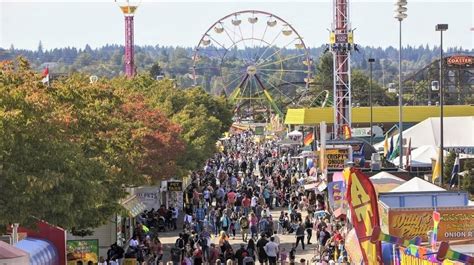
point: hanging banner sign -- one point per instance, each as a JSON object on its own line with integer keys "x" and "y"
{"x": 336, "y": 192}
{"x": 362, "y": 202}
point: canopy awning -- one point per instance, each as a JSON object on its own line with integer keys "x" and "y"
{"x": 134, "y": 206}
{"x": 295, "y": 133}
{"x": 41, "y": 251}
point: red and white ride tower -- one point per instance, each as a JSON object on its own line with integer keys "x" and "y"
{"x": 341, "y": 45}
{"x": 128, "y": 11}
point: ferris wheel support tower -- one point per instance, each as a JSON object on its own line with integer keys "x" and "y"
{"x": 341, "y": 44}
{"x": 128, "y": 11}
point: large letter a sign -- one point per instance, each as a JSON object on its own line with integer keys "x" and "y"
{"x": 362, "y": 201}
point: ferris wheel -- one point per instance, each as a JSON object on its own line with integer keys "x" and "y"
{"x": 257, "y": 59}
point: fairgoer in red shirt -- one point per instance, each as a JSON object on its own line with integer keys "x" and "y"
{"x": 231, "y": 196}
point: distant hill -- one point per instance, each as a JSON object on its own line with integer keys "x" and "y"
{"x": 175, "y": 62}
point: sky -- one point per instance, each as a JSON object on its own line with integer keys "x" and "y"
{"x": 182, "y": 23}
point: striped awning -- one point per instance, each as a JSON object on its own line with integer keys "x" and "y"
{"x": 134, "y": 206}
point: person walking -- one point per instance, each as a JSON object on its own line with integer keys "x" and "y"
{"x": 300, "y": 235}
{"x": 271, "y": 249}
{"x": 309, "y": 229}
{"x": 244, "y": 227}
{"x": 261, "y": 243}
{"x": 253, "y": 220}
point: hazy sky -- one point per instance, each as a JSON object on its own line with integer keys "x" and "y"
{"x": 81, "y": 22}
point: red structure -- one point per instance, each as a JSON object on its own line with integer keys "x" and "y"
{"x": 54, "y": 234}
{"x": 129, "y": 12}
{"x": 341, "y": 45}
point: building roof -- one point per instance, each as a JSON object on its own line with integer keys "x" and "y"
{"x": 8, "y": 251}
{"x": 385, "y": 114}
{"x": 415, "y": 185}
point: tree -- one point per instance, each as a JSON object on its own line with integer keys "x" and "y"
{"x": 40, "y": 166}
{"x": 155, "y": 70}
{"x": 68, "y": 150}
{"x": 467, "y": 181}
{"x": 324, "y": 72}
{"x": 202, "y": 117}
{"x": 448, "y": 167}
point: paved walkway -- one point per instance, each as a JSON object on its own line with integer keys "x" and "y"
{"x": 168, "y": 240}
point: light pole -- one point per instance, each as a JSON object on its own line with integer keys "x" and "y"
{"x": 400, "y": 14}
{"x": 441, "y": 28}
{"x": 371, "y": 60}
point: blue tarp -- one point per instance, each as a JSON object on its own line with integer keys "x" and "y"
{"x": 42, "y": 252}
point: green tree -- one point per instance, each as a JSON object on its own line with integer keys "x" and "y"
{"x": 448, "y": 167}
{"x": 202, "y": 117}
{"x": 68, "y": 150}
{"x": 156, "y": 70}
{"x": 467, "y": 181}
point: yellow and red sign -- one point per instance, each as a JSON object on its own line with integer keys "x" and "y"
{"x": 362, "y": 202}
{"x": 335, "y": 157}
{"x": 455, "y": 223}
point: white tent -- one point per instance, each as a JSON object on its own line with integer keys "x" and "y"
{"x": 295, "y": 133}
{"x": 458, "y": 132}
{"x": 417, "y": 184}
{"x": 384, "y": 181}
{"x": 384, "y": 176}
{"x": 421, "y": 156}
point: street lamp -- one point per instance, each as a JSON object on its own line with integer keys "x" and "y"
{"x": 371, "y": 60}
{"x": 400, "y": 14}
{"x": 441, "y": 28}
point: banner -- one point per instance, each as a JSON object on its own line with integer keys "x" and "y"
{"x": 455, "y": 223}
{"x": 336, "y": 192}
{"x": 362, "y": 201}
{"x": 82, "y": 251}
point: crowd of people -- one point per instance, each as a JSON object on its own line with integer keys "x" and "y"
{"x": 235, "y": 198}
{"x": 234, "y": 195}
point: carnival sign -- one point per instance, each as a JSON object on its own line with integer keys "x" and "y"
{"x": 336, "y": 192}
{"x": 174, "y": 185}
{"x": 362, "y": 202}
{"x": 460, "y": 60}
{"x": 337, "y": 157}
{"x": 455, "y": 223}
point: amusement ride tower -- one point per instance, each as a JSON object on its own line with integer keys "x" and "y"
{"x": 341, "y": 45}
{"x": 128, "y": 10}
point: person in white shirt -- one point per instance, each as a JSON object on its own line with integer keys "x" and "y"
{"x": 133, "y": 244}
{"x": 276, "y": 237}
{"x": 271, "y": 249}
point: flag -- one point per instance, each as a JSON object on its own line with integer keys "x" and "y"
{"x": 390, "y": 150}
{"x": 408, "y": 154}
{"x": 308, "y": 139}
{"x": 434, "y": 236}
{"x": 347, "y": 131}
{"x": 385, "y": 146}
{"x": 45, "y": 76}
{"x": 454, "y": 174}
{"x": 395, "y": 149}
{"x": 437, "y": 168}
